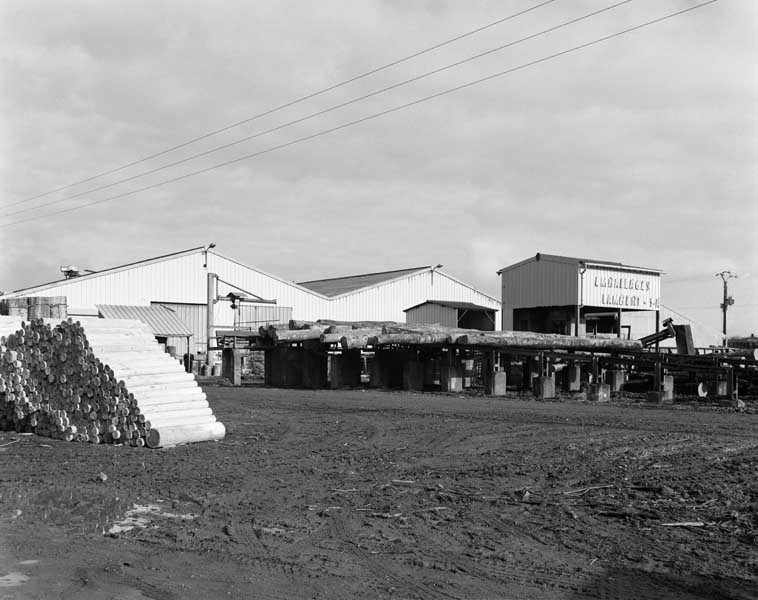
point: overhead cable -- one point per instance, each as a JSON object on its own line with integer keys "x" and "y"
{"x": 291, "y": 102}
{"x": 323, "y": 111}
{"x": 374, "y": 115}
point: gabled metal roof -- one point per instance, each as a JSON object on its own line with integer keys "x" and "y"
{"x": 94, "y": 274}
{"x": 162, "y": 320}
{"x": 343, "y": 285}
{"x": 579, "y": 261}
{"x": 453, "y": 304}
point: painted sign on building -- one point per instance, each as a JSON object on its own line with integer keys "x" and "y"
{"x": 615, "y": 288}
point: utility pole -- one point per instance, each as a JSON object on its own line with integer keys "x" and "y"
{"x": 728, "y": 300}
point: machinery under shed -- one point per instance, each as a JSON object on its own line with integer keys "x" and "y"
{"x": 572, "y": 296}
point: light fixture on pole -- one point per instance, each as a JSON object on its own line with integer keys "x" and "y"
{"x": 205, "y": 254}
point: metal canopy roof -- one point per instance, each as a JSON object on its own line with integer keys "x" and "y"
{"x": 343, "y": 285}
{"x": 162, "y": 320}
{"x": 453, "y": 304}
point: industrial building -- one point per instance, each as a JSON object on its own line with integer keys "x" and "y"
{"x": 572, "y": 296}
{"x": 171, "y": 293}
{"x": 453, "y": 314}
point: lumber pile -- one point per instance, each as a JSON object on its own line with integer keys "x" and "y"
{"x": 35, "y": 307}
{"x": 98, "y": 380}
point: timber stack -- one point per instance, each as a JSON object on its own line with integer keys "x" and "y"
{"x": 35, "y": 307}
{"x": 98, "y": 380}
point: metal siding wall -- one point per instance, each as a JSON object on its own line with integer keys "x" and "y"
{"x": 540, "y": 283}
{"x": 181, "y": 345}
{"x": 193, "y": 315}
{"x": 182, "y": 280}
{"x": 254, "y": 316}
{"x": 305, "y": 305}
{"x": 181, "y": 283}
{"x": 433, "y": 313}
{"x": 179, "y": 279}
{"x": 641, "y": 323}
{"x": 387, "y": 302}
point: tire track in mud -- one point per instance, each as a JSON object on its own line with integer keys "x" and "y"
{"x": 528, "y": 564}
{"x": 276, "y": 577}
{"x": 114, "y": 581}
{"x": 246, "y": 536}
{"x": 379, "y": 567}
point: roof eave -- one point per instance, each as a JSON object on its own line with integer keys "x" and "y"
{"x": 96, "y": 274}
{"x": 380, "y": 283}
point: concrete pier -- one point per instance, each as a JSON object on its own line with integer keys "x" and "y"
{"x": 544, "y": 387}
{"x": 615, "y": 378}
{"x": 231, "y": 365}
{"x": 497, "y": 384}
{"x": 599, "y": 392}
{"x": 572, "y": 378}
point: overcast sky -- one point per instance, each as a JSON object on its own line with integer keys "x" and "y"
{"x": 642, "y": 149}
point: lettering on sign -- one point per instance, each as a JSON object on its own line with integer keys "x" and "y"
{"x": 623, "y": 291}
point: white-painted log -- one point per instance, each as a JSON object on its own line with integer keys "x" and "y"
{"x": 154, "y": 377}
{"x": 176, "y": 412}
{"x": 173, "y": 436}
{"x": 174, "y": 385}
{"x": 161, "y": 421}
{"x": 144, "y": 406}
{"x": 188, "y": 395}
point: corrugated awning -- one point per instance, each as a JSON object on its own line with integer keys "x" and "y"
{"x": 163, "y": 321}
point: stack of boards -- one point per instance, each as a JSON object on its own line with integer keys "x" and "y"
{"x": 100, "y": 381}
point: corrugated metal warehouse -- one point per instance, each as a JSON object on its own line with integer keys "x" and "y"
{"x": 546, "y": 293}
{"x": 179, "y": 282}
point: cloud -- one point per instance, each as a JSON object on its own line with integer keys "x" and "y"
{"x": 641, "y": 149}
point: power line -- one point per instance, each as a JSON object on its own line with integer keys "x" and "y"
{"x": 292, "y": 102}
{"x": 686, "y": 318}
{"x": 701, "y": 306}
{"x": 668, "y": 308}
{"x": 690, "y": 278}
{"x": 322, "y": 112}
{"x": 374, "y": 115}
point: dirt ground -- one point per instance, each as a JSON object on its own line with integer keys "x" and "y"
{"x": 363, "y": 494}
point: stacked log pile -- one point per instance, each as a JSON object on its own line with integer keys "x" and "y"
{"x": 98, "y": 380}
{"x": 364, "y": 334}
{"x": 347, "y": 335}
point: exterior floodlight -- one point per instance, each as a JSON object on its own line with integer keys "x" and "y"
{"x": 205, "y": 254}
{"x": 70, "y": 271}
{"x": 236, "y": 299}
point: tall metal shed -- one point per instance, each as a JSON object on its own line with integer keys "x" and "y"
{"x": 573, "y": 296}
